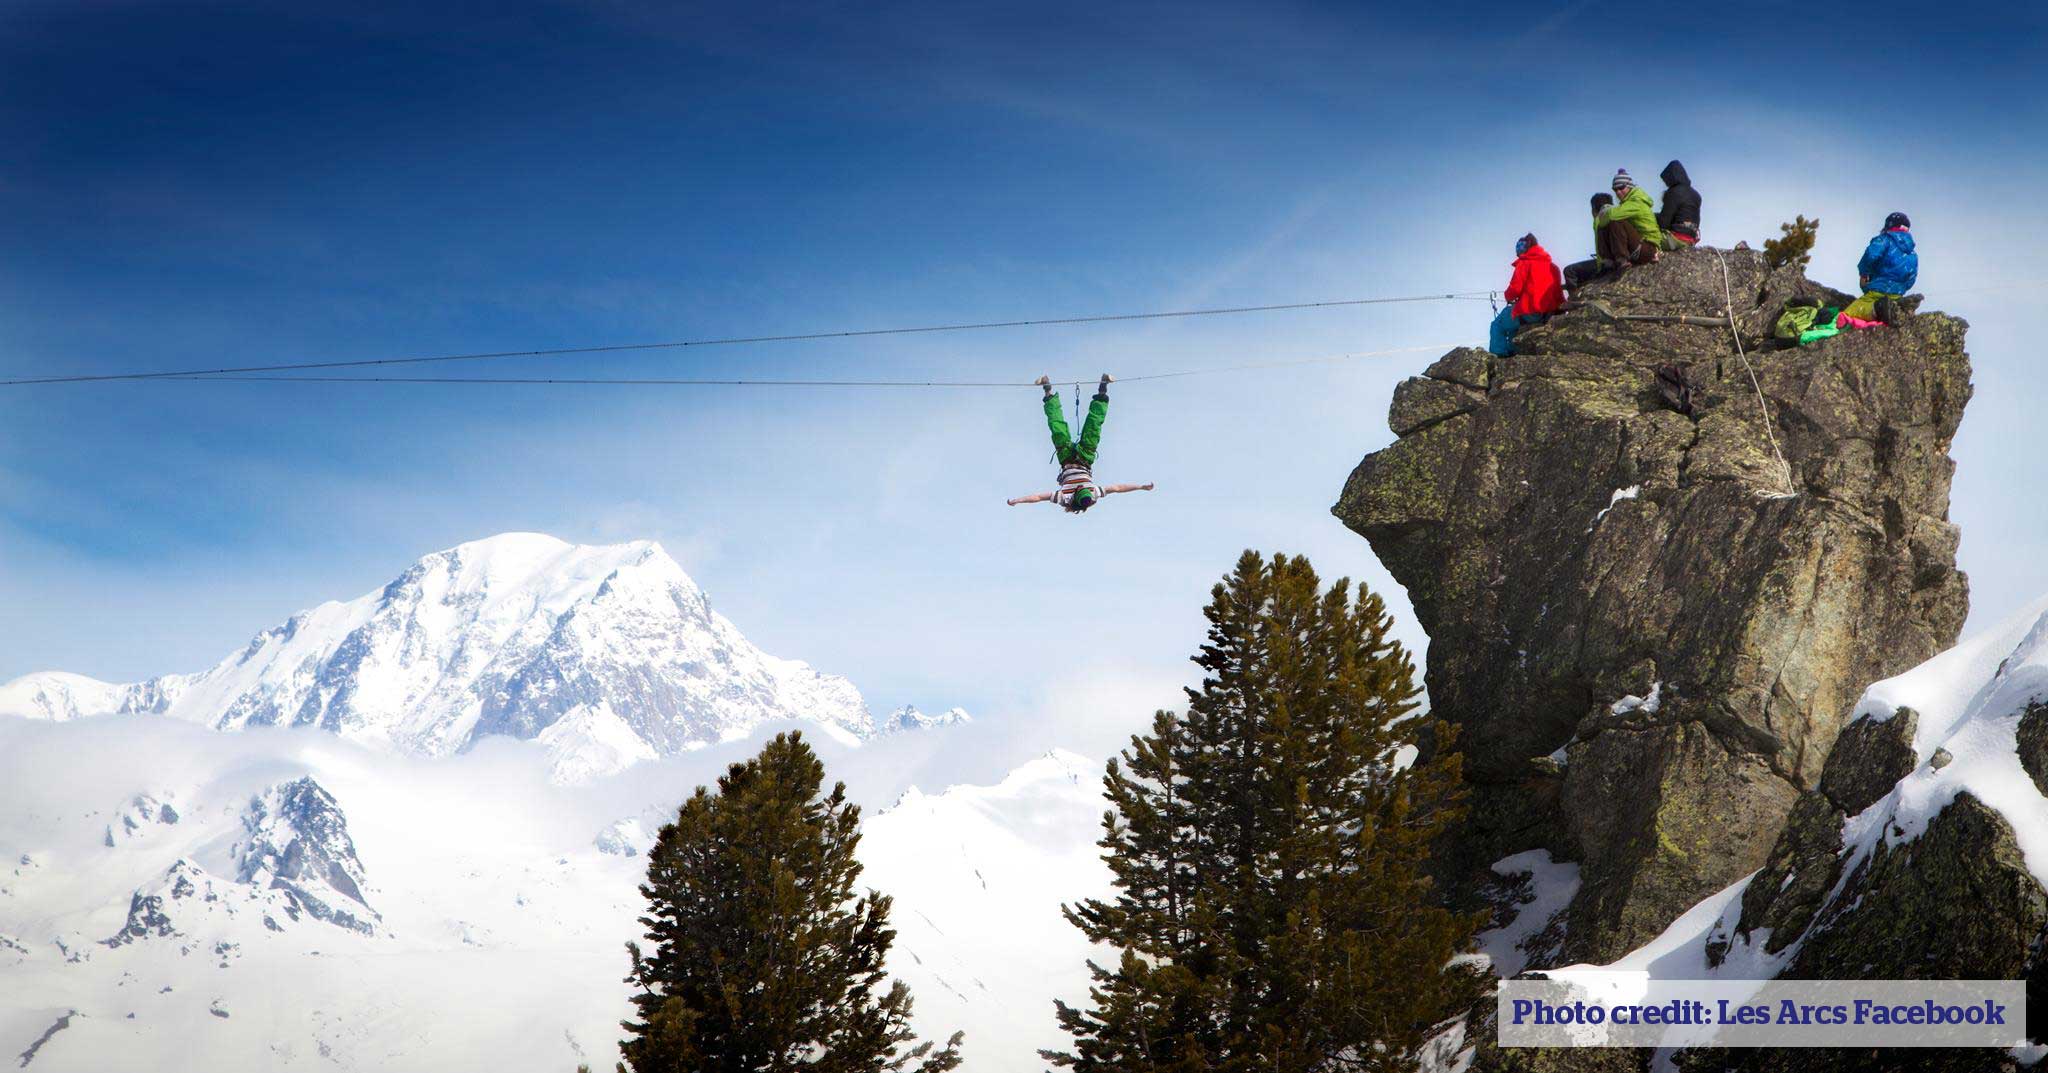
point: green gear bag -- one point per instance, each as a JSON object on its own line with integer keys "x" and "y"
{"x": 1826, "y": 330}
{"x": 1795, "y": 321}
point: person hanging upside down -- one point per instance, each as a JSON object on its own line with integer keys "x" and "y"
{"x": 1078, "y": 490}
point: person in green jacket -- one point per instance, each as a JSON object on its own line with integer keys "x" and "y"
{"x": 1077, "y": 489}
{"x": 1628, "y": 232}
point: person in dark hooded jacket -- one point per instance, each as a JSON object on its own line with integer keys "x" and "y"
{"x": 1679, "y": 217}
{"x": 1888, "y": 269}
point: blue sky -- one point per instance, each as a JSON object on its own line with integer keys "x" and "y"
{"x": 221, "y": 184}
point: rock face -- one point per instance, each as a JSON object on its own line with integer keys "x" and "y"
{"x": 298, "y": 844}
{"x": 1649, "y": 628}
{"x": 1911, "y": 858}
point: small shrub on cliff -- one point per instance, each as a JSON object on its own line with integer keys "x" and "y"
{"x": 762, "y": 956}
{"x": 1794, "y": 246}
{"x": 1271, "y": 911}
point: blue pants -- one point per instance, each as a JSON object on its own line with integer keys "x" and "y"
{"x": 1501, "y": 339}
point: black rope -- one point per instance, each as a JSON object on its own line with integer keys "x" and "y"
{"x": 223, "y": 373}
{"x": 658, "y": 381}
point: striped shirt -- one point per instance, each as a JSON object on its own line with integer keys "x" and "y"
{"x": 1075, "y": 476}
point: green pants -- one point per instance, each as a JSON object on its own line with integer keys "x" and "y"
{"x": 1063, "y": 444}
{"x": 1865, "y": 308}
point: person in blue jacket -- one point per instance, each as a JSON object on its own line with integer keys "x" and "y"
{"x": 1888, "y": 269}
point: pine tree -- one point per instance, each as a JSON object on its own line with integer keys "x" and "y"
{"x": 762, "y": 958}
{"x": 1794, "y": 245}
{"x": 1268, "y": 847}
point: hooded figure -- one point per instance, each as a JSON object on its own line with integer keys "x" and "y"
{"x": 1535, "y": 291}
{"x": 1889, "y": 264}
{"x": 1680, "y": 216}
{"x": 1889, "y": 268}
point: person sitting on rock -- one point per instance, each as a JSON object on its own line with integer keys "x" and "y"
{"x": 1628, "y": 232}
{"x": 1889, "y": 268}
{"x": 1579, "y": 272}
{"x": 1077, "y": 491}
{"x": 1679, "y": 218}
{"x": 1535, "y": 292}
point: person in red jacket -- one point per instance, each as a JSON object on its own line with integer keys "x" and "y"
{"x": 1535, "y": 292}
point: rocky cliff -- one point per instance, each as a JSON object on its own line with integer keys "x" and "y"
{"x": 1651, "y": 624}
{"x": 1923, "y": 852}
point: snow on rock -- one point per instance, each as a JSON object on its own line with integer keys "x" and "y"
{"x": 1968, "y": 702}
{"x": 626, "y": 838}
{"x": 482, "y": 872}
{"x": 193, "y": 906}
{"x": 1632, "y": 702}
{"x": 608, "y": 655}
{"x": 1620, "y": 494}
{"x": 1447, "y": 1051}
{"x": 143, "y": 814}
{"x": 592, "y": 741}
{"x": 909, "y": 718}
{"x": 57, "y": 696}
{"x": 146, "y": 917}
{"x": 1540, "y": 889}
{"x": 298, "y": 844}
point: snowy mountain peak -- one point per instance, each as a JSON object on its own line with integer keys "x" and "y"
{"x": 607, "y": 654}
{"x": 909, "y": 717}
{"x": 58, "y": 695}
{"x": 298, "y": 844}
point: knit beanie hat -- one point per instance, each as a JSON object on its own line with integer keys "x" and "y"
{"x": 1522, "y": 244}
{"x": 1622, "y": 181}
{"x": 1897, "y": 219}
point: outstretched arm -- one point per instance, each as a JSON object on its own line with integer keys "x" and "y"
{"x": 1040, "y": 497}
{"x": 1112, "y": 489}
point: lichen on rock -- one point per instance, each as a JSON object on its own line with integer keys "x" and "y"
{"x": 1569, "y": 540}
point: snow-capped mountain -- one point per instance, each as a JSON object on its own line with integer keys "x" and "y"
{"x": 605, "y": 654}
{"x": 298, "y": 844}
{"x": 288, "y": 900}
{"x": 909, "y": 718}
{"x": 309, "y": 892}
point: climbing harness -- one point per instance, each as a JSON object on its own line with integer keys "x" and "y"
{"x": 1056, "y": 459}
